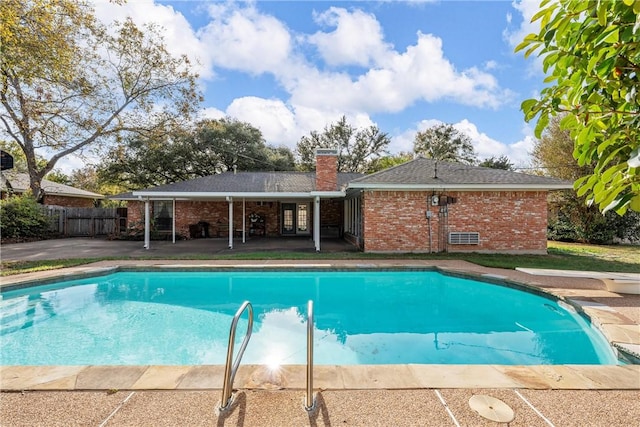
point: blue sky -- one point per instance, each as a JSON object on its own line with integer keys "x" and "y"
{"x": 292, "y": 67}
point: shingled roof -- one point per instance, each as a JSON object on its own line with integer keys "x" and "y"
{"x": 20, "y": 183}
{"x": 418, "y": 174}
{"x": 247, "y": 182}
{"x": 423, "y": 173}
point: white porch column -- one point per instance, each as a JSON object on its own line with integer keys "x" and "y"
{"x": 173, "y": 226}
{"x": 244, "y": 221}
{"x": 316, "y": 223}
{"x": 147, "y": 224}
{"x": 230, "y": 200}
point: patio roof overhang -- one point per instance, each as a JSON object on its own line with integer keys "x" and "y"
{"x": 148, "y": 196}
{"x": 169, "y": 195}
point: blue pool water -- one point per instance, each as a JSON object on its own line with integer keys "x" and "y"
{"x": 368, "y": 317}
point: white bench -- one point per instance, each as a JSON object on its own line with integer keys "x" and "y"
{"x": 623, "y": 286}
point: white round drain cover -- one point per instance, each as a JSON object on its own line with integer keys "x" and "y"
{"x": 491, "y": 408}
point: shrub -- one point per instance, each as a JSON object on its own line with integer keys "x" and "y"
{"x": 561, "y": 229}
{"x": 596, "y": 228}
{"x": 21, "y": 217}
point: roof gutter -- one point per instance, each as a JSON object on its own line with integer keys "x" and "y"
{"x": 188, "y": 195}
{"x": 50, "y": 193}
{"x": 328, "y": 194}
{"x": 466, "y": 187}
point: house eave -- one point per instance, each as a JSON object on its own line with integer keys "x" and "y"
{"x": 328, "y": 194}
{"x": 186, "y": 195}
{"x": 52, "y": 193}
{"x": 80, "y": 196}
{"x": 461, "y": 187}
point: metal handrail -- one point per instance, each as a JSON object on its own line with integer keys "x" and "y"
{"x": 229, "y": 370}
{"x": 310, "y": 401}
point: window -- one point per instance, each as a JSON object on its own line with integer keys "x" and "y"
{"x": 302, "y": 218}
{"x": 163, "y": 214}
{"x": 352, "y": 219}
{"x": 287, "y": 220}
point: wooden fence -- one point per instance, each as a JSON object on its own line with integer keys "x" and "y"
{"x": 88, "y": 222}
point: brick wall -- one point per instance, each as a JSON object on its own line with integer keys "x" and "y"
{"x": 192, "y": 212}
{"x": 213, "y": 212}
{"x": 508, "y": 222}
{"x": 69, "y": 202}
{"x": 331, "y": 212}
{"x": 64, "y": 201}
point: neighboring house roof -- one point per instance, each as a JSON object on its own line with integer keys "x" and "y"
{"x": 422, "y": 173}
{"x": 242, "y": 184}
{"x": 20, "y": 183}
{"x": 123, "y": 196}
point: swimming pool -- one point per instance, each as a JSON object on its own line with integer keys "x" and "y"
{"x": 361, "y": 317}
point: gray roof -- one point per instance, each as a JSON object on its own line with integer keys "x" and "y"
{"x": 423, "y": 173}
{"x": 123, "y": 196}
{"x": 20, "y": 183}
{"x": 418, "y": 174}
{"x": 250, "y": 182}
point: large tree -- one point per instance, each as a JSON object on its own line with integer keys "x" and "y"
{"x": 444, "y": 142}
{"x": 493, "y": 162}
{"x": 68, "y": 84}
{"x": 571, "y": 218}
{"x": 357, "y": 148}
{"x": 206, "y": 148}
{"x": 591, "y": 53}
{"x": 387, "y": 162}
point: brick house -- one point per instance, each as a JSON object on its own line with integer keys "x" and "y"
{"x": 419, "y": 206}
{"x": 55, "y": 194}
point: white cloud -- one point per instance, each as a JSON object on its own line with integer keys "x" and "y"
{"x": 211, "y": 113}
{"x": 245, "y": 40}
{"x": 525, "y": 8}
{"x": 421, "y": 73}
{"x": 241, "y": 38}
{"x": 276, "y": 122}
{"x": 491, "y": 65}
{"x": 484, "y": 145}
{"x": 282, "y": 124}
{"x": 248, "y": 41}
{"x": 521, "y": 151}
{"x": 356, "y": 40}
{"x": 178, "y": 34}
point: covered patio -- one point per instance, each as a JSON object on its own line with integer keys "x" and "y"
{"x": 240, "y": 217}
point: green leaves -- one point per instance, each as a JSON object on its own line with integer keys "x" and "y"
{"x": 358, "y": 149}
{"x": 71, "y": 84}
{"x": 591, "y": 55}
{"x": 444, "y": 142}
{"x": 22, "y": 217}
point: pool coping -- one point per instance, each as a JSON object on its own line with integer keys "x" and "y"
{"x": 623, "y": 335}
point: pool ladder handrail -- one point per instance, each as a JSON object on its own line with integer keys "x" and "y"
{"x": 310, "y": 398}
{"x": 230, "y": 370}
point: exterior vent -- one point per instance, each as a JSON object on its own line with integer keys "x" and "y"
{"x": 464, "y": 238}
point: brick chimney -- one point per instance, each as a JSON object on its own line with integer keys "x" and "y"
{"x": 326, "y": 169}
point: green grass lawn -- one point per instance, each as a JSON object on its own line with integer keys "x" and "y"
{"x": 562, "y": 256}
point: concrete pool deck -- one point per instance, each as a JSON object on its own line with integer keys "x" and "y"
{"x": 347, "y": 395}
